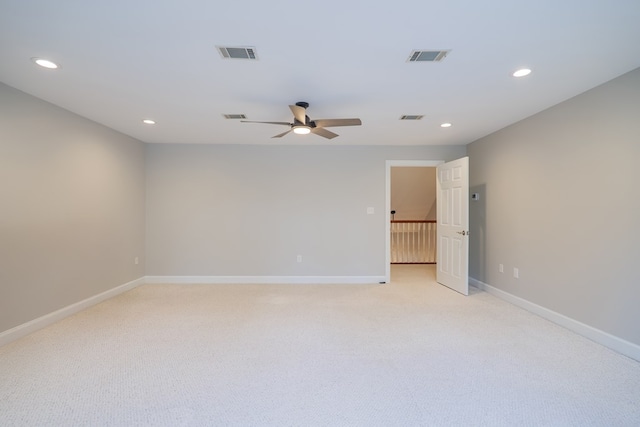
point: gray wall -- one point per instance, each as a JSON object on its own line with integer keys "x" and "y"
{"x": 413, "y": 192}
{"x": 71, "y": 208}
{"x": 249, "y": 210}
{"x": 561, "y": 201}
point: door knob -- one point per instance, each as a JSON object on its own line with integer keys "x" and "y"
{"x": 464, "y": 233}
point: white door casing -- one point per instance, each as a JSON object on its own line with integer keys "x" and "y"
{"x": 452, "y": 198}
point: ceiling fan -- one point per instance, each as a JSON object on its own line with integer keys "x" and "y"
{"x": 302, "y": 124}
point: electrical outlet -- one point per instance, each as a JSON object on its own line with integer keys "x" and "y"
{"x": 299, "y": 258}
{"x": 516, "y": 273}
{"x": 135, "y": 260}
{"x": 501, "y": 268}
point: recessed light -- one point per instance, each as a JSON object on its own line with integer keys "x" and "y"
{"x": 148, "y": 122}
{"x": 45, "y": 63}
{"x": 522, "y": 72}
{"x": 445, "y": 125}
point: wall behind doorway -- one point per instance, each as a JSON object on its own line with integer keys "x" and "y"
{"x": 413, "y": 193}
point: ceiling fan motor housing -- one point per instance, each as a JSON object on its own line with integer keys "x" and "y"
{"x": 307, "y": 122}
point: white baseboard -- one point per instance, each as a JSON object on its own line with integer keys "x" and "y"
{"x": 265, "y": 279}
{"x": 26, "y": 328}
{"x": 624, "y": 347}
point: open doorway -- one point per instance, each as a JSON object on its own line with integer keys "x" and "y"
{"x": 413, "y": 215}
{"x": 406, "y": 210}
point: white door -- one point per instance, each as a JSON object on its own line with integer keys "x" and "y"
{"x": 452, "y": 196}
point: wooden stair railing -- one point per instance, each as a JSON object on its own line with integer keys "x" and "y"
{"x": 413, "y": 242}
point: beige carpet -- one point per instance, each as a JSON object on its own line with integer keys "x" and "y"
{"x": 402, "y": 354}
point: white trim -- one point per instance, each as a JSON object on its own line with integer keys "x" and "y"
{"x": 414, "y": 163}
{"x": 264, "y": 279}
{"x": 41, "y": 322}
{"x": 617, "y": 344}
{"x": 387, "y": 227}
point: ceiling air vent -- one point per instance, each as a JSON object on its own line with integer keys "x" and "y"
{"x": 428, "y": 55}
{"x": 411, "y": 117}
{"x": 234, "y": 116}
{"x": 237, "y": 52}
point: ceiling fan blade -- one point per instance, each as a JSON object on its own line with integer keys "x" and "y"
{"x": 269, "y": 123}
{"x": 299, "y": 113}
{"x": 324, "y": 133}
{"x": 327, "y": 123}
{"x": 280, "y": 135}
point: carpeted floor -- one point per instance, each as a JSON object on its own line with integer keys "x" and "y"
{"x": 403, "y": 354}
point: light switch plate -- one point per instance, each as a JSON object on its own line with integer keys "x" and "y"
{"x": 370, "y": 211}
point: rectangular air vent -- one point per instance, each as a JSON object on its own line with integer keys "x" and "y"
{"x": 428, "y": 55}
{"x": 242, "y": 52}
{"x": 234, "y": 116}
{"x": 411, "y": 117}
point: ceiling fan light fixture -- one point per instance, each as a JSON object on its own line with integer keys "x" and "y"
{"x": 301, "y": 130}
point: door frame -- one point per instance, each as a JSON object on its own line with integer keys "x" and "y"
{"x": 387, "y": 224}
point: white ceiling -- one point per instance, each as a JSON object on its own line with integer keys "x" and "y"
{"x": 125, "y": 60}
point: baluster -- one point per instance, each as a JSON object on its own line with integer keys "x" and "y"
{"x": 423, "y": 254}
{"x": 394, "y": 242}
{"x": 428, "y": 237}
{"x": 404, "y": 247}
